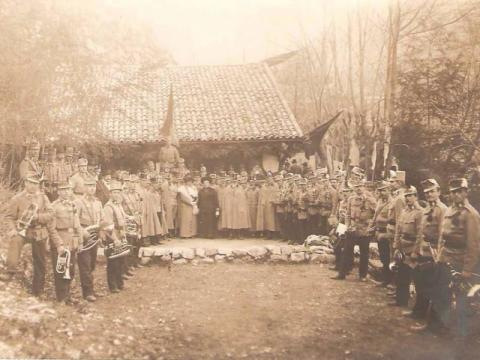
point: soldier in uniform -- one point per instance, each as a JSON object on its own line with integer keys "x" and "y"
{"x": 78, "y": 179}
{"x": 312, "y": 205}
{"x": 301, "y": 197}
{"x": 51, "y": 174}
{"x": 380, "y": 222}
{"x": 64, "y": 169}
{"x": 70, "y": 237}
{"x": 424, "y": 272}
{"x": 252, "y": 199}
{"x": 327, "y": 199}
{"x": 279, "y": 206}
{"x": 29, "y": 216}
{"x": 168, "y": 154}
{"x": 459, "y": 250}
{"x": 395, "y": 207}
{"x": 90, "y": 213}
{"x": 30, "y": 163}
{"x": 341, "y": 213}
{"x": 408, "y": 234}
{"x": 115, "y": 217}
{"x": 360, "y": 211}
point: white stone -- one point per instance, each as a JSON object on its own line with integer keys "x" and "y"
{"x": 318, "y": 249}
{"x": 299, "y": 248}
{"x": 166, "y": 257}
{"x": 272, "y": 249}
{"x": 179, "y": 262}
{"x": 206, "y": 261}
{"x": 145, "y": 260}
{"x": 176, "y": 253}
{"x": 223, "y": 251}
{"x": 239, "y": 252}
{"x": 220, "y": 258}
{"x": 161, "y": 252}
{"x": 278, "y": 258}
{"x": 286, "y": 250}
{"x": 257, "y": 252}
{"x": 200, "y": 252}
{"x": 188, "y": 253}
{"x": 297, "y": 257}
{"x": 210, "y": 252}
{"x": 317, "y": 259}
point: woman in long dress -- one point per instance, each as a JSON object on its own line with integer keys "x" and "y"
{"x": 187, "y": 208}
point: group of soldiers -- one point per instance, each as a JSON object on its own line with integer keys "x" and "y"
{"x": 425, "y": 242}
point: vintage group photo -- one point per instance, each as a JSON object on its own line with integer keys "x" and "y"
{"x": 227, "y": 179}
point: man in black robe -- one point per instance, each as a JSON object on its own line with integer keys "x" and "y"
{"x": 208, "y": 207}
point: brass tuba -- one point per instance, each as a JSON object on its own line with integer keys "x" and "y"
{"x": 92, "y": 239}
{"x": 26, "y": 219}
{"x": 63, "y": 264}
{"x": 131, "y": 227}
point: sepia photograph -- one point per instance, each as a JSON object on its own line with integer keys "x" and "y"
{"x": 240, "y": 179}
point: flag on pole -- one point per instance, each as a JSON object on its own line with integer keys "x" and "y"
{"x": 374, "y": 156}
{"x": 167, "y": 130}
{"x": 354, "y": 154}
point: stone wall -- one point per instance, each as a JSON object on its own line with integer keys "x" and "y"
{"x": 294, "y": 254}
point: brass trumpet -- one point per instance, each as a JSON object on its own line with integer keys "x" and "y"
{"x": 26, "y": 219}
{"x": 63, "y": 264}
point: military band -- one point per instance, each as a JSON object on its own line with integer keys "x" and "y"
{"x": 434, "y": 247}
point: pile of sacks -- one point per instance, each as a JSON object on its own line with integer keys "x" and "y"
{"x": 317, "y": 254}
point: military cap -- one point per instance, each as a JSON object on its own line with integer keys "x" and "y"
{"x": 64, "y": 185}
{"x": 69, "y": 151}
{"x": 383, "y": 185}
{"x": 181, "y": 160}
{"x": 115, "y": 186}
{"x": 429, "y": 185}
{"x": 82, "y": 162}
{"x": 347, "y": 189}
{"x": 243, "y": 173}
{"x": 213, "y": 176}
{"x": 288, "y": 176}
{"x": 411, "y": 190}
{"x": 33, "y": 177}
{"x": 302, "y": 182}
{"x": 397, "y": 176}
{"x": 278, "y": 178}
{"x": 456, "y": 184}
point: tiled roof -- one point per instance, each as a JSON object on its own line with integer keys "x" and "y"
{"x": 211, "y": 103}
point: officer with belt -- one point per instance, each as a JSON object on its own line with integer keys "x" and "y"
{"x": 460, "y": 252}
{"x": 78, "y": 179}
{"x": 424, "y": 273}
{"x": 29, "y": 216}
{"x": 360, "y": 211}
{"x": 408, "y": 234}
{"x": 69, "y": 238}
{"x": 90, "y": 213}
{"x": 380, "y": 222}
{"x": 115, "y": 217}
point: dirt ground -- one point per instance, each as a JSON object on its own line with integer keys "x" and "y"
{"x": 228, "y": 311}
